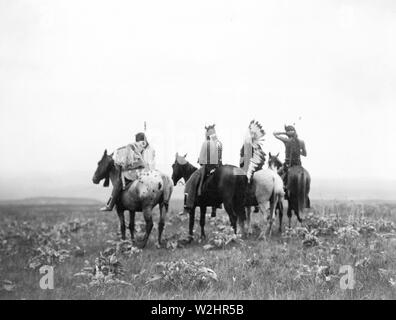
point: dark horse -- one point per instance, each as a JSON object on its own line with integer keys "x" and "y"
{"x": 298, "y": 187}
{"x": 185, "y": 171}
{"x": 142, "y": 195}
{"x": 226, "y": 185}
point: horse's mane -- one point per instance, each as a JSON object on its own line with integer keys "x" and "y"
{"x": 190, "y": 166}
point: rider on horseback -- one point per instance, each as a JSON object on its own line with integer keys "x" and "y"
{"x": 128, "y": 161}
{"x": 257, "y": 160}
{"x": 210, "y": 156}
{"x": 148, "y": 152}
{"x": 295, "y": 148}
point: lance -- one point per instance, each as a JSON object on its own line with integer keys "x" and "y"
{"x": 145, "y": 130}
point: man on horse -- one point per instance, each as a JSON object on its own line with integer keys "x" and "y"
{"x": 148, "y": 152}
{"x": 210, "y": 158}
{"x": 129, "y": 160}
{"x": 257, "y": 160}
{"x": 246, "y": 155}
{"x": 295, "y": 148}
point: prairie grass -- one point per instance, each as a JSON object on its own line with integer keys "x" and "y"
{"x": 286, "y": 266}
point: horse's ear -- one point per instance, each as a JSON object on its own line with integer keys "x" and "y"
{"x": 177, "y": 154}
{"x": 185, "y": 155}
{"x": 277, "y": 155}
{"x": 270, "y": 155}
{"x": 105, "y": 153}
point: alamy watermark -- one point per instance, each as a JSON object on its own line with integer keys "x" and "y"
{"x": 347, "y": 281}
{"x": 47, "y": 280}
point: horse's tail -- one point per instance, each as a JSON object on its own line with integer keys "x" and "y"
{"x": 307, "y": 189}
{"x": 273, "y": 194}
{"x": 277, "y": 194}
{"x": 302, "y": 195}
{"x": 240, "y": 195}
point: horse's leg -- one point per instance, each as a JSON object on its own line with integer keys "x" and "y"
{"x": 228, "y": 206}
{"x": 148, "y": 217}
{"x": 273, "y": 203}
{"x": 121, "y": 217}
{"x": 240, "y": 211}
{"x": 280, "y": 208}
{"x": 298, "y": 212}
{"x": 262, "y": 208}
{"x": 161, "y": 223}
{"x": 202, "y": 222}
{"x": 213, "y": 215}
{"x": 132, "y": 224}
{"x": 191, "y": 224}
{"x": 248, "y": 221}
{"x": 289, "y": 213}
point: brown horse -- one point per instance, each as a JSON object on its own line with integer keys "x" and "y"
{"x": 142, "y": 195}
{"x": 183, "y": 169}
{"x": 298, "y": 186}
{"x": 226, "y": 185}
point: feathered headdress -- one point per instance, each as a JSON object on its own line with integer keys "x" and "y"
{"x": 256, "y": 129}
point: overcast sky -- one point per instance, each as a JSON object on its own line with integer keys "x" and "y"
{"x": 77, "y": 77}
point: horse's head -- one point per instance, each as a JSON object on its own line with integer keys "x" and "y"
{"x": 102, "y": 171}
{"x": 178, "y": 168}
{"x": 274, "y": 162}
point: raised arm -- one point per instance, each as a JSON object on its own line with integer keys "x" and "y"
{"x": 280, "y": 136}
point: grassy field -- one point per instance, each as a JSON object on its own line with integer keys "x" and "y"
{"x": 303, "y": 263}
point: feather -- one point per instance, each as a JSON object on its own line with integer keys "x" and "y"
{"x": 256, "y": 129}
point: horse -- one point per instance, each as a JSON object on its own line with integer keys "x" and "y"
{"x": 298, "y": 187}
{"x": 226, "y": 185}
{"x": 267, "y": 186}
{"x": 142, "y": 195}
{"x": 183, "y": 169}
